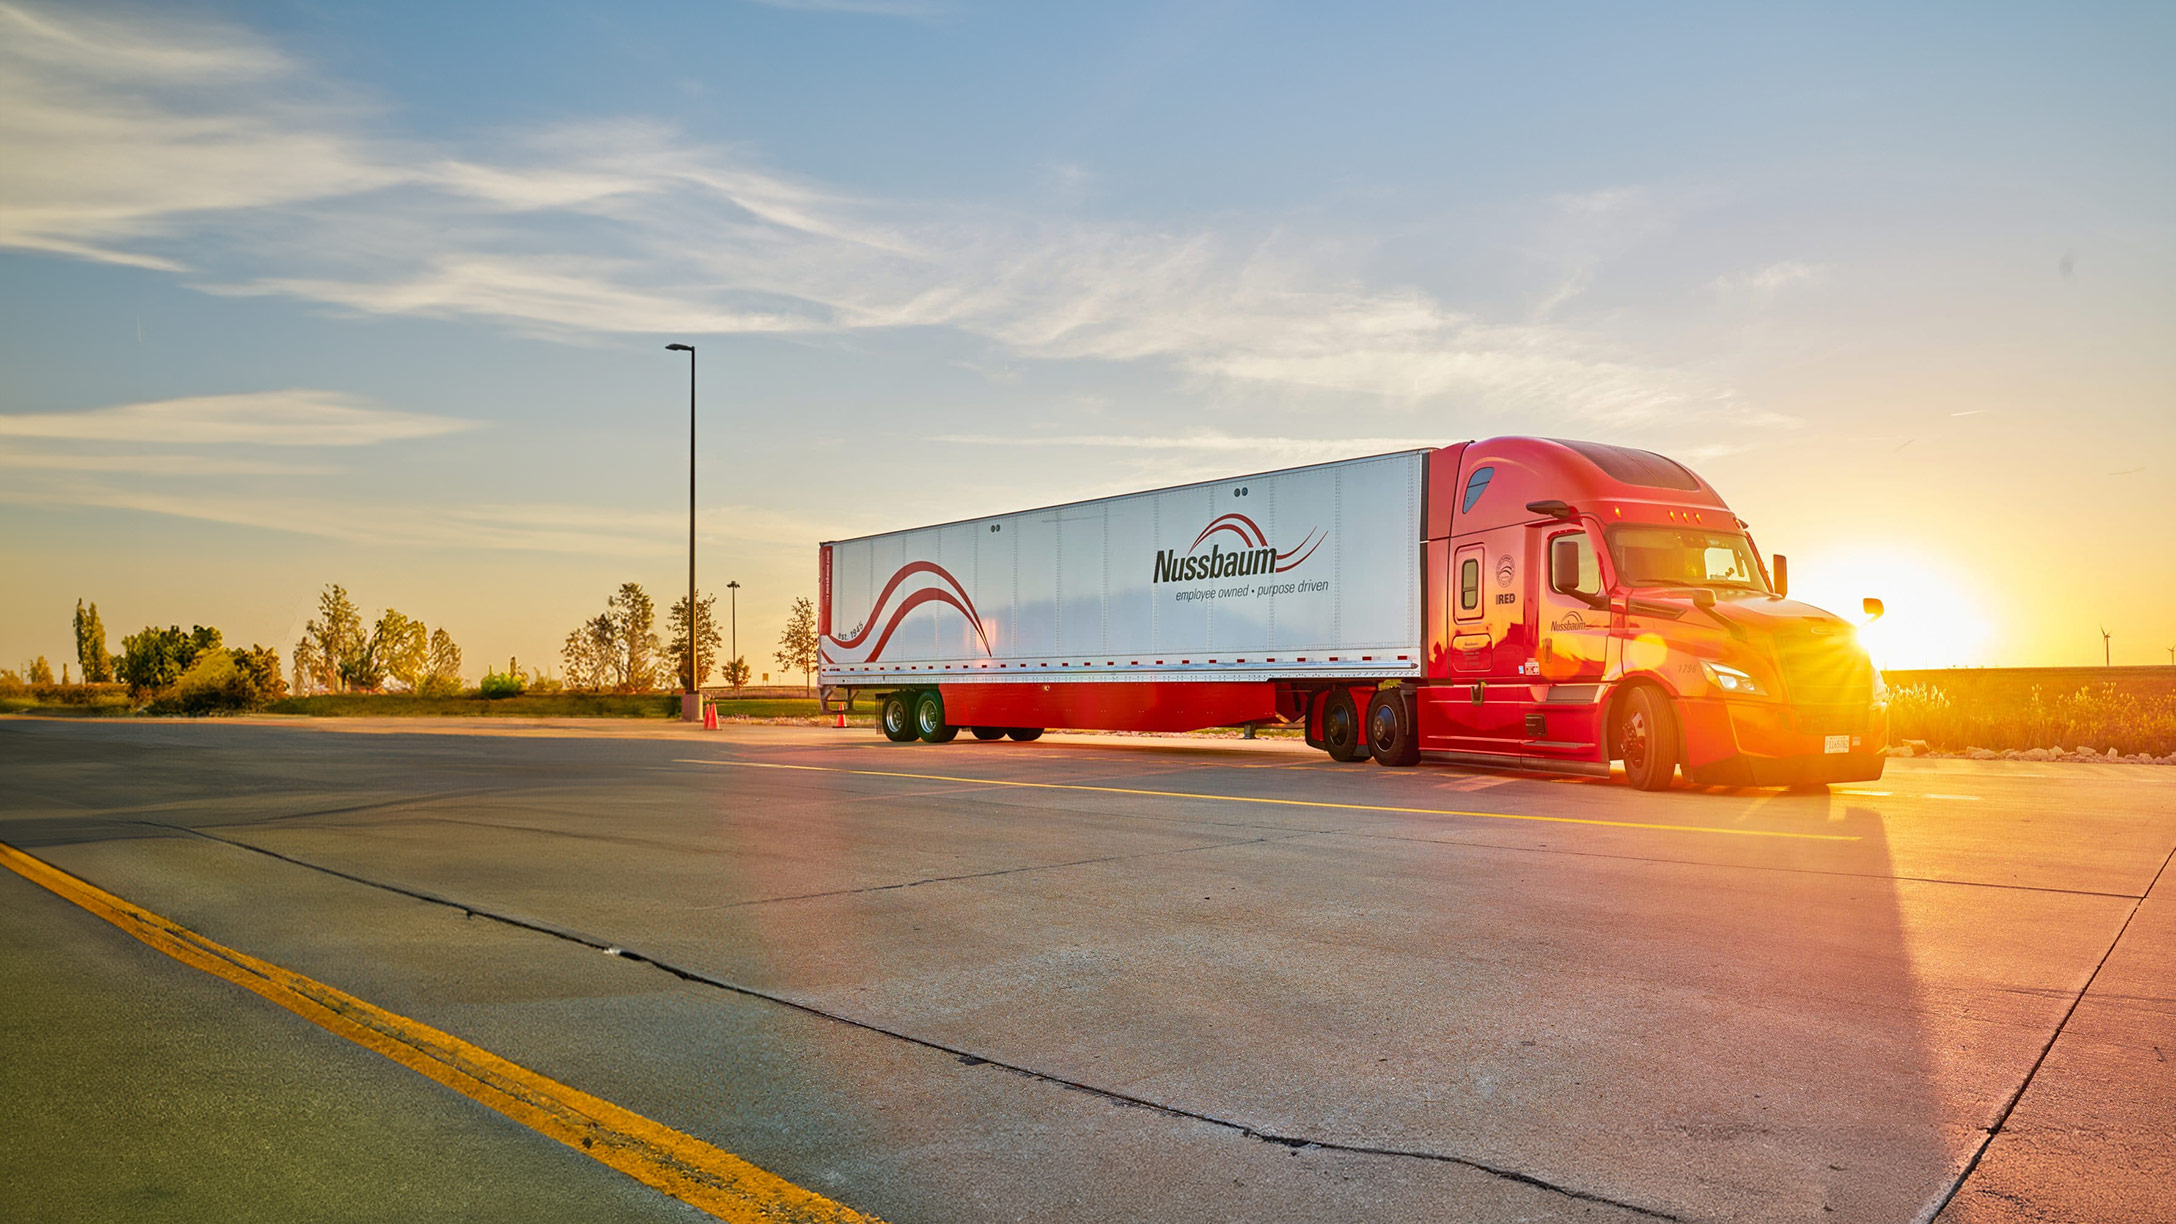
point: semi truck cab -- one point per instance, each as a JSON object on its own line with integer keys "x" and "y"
{"x": 1592, "y": 603}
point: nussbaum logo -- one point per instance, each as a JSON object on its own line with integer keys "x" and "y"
{"x": 1258, "y": 556}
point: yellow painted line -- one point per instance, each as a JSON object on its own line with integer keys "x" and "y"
{"x": 656, "y": 1155}
{"x": 1304, "y": 803}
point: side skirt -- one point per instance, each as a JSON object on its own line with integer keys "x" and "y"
{"x": 1591, "y": 769}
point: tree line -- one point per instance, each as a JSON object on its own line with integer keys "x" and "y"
{"x": 617, "y": 650}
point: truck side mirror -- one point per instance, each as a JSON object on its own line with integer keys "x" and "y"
{"x": 1782, "y": 566}
{"x": 1564, "y": 565}
{"x": 1873, "y": 607}
{"x": 1564, "y": 571}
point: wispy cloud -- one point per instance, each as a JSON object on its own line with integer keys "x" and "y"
{"x": 177, "y": 464}
{"x": 204, "y": 147}
{"x": 505, "y": 527}
{"x": 1769, "y": 279}
{"x": 299, "y": 417}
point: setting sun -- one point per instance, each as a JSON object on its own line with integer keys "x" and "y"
{"x": 1934, "y": 617}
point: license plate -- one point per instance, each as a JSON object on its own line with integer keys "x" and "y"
{"x": 1836, "y": 743}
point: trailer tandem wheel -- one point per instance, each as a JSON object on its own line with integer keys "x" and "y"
{"x": 929, "y": 720}
{"x": 896, "y": 717}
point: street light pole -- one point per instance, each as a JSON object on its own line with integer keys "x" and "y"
{"x": 691, "y": 702}
{"x": 733, "y": 594}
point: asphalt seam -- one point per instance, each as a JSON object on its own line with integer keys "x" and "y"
{"x": 1006, "y": 871}
{"x": 967, "y": 1058}
{"x": 2003, "y": 1118}
{"x": 1644, "y": 858}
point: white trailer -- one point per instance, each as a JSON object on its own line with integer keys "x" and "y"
{"x": 1312, "y": 571}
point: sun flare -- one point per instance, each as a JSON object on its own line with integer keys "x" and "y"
{"x": 1934, "y": 617}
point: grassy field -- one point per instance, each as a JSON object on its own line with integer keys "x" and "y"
{"x": 2129, "y": 709}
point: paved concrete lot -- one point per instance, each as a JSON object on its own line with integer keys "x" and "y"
{"x": 1090, "y": 978}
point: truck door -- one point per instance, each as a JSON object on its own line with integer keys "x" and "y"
{"x": 1571, "y": 639}
{"x": 1473, "y": 713}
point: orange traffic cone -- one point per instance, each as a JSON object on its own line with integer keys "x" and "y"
{"x": 842, "y": 719}
{"x": 710, "y": 718}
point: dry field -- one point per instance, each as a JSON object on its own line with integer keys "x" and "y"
{"x": 2067, "y": 711}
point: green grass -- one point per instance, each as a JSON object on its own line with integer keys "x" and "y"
{"x": 103, "y": 706}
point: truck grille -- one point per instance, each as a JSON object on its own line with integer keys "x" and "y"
{"x": 1824, "y": 669}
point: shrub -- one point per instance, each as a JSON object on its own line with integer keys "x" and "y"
{"x": 501, "y": 684}
{"x": 212, "y": 684}
{"x": 2096, "y": 716}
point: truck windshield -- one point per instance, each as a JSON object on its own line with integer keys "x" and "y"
{"x": 1675, "y": 556}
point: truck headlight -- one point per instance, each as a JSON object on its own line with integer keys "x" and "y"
{"x": 1729, "y": 679}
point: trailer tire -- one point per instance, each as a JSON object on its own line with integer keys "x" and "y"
{"x": 1026, "y": 734}
{"x": 989, "y": 733}
{"x": 1342, "y": 735}
{"x": 929, "y": 720}
{"x": 1392, "y": 738}
{"x": 1647, "y": 739}
{"x": 896, "y": 716}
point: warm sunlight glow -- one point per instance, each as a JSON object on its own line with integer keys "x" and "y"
{"x": 1935, "y": 617}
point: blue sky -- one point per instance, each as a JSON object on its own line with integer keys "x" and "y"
{"x": 377, "y": 294}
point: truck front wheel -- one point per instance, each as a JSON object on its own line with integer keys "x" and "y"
{"x": 1392, "y": 738}
{"x": 896, "y": 718}
{"x": 929, "y": 720}
{"x": 1647, "y": 740}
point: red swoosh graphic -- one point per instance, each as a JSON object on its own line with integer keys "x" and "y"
{"x": 1231, "y": 527}
{"x": 916, "y": 600}
{"x": 1302, "y": 557}
{"x": 1231, "y": 522}
{"x": 1310, "y": 544}
{"x": 963, "y": 602}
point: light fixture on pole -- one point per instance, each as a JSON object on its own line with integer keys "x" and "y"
{"x": 691, "y": 702}
{"x": 733, "y": 596}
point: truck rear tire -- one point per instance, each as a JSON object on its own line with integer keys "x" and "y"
{"x": 1026, "y": 734}
{"x": 929, "y": 720}
{"x": 989, "y": 733}
{"x": 1647, "y": 740}
{"x": 1392, "y": 738}
{"x": 896, "y": 717}
{"x": 1342, "y": 736}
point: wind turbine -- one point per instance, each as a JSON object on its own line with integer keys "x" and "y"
{"x": 2104, "y": 653}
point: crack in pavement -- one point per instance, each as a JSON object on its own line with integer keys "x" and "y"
{"x": 965, "y": 1057}
{"x": 2003, "y": 1118}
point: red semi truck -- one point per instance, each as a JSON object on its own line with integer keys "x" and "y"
{"x": 1515, "y": 601}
